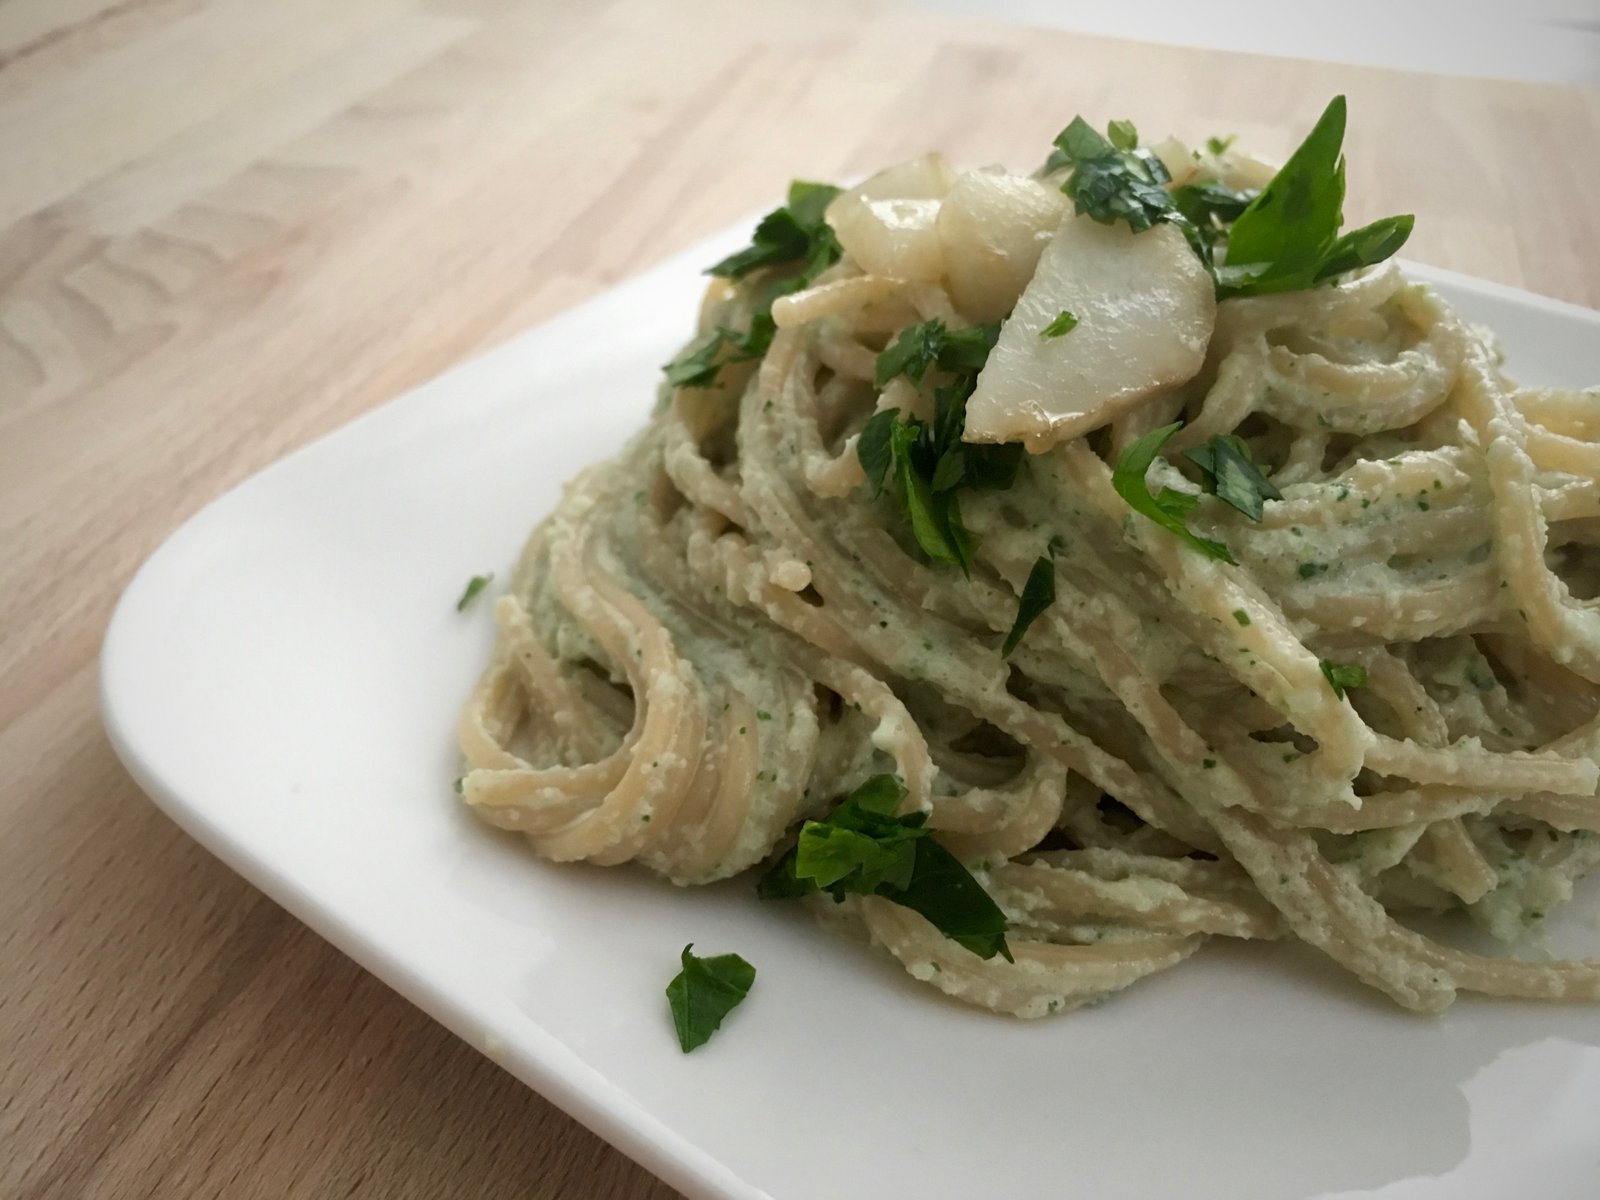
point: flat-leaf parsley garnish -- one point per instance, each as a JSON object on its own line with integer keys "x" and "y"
{"x": 704, "y": 992}
{"x": 794, "y": 236}
{"x": 1343, "y": 676}
{"x": 1167, "y": 508}
{"x": 927, "y": 463}
{"x": 1287, "y": 238}
{"x": 864, "y": 848}
{"x": 1232, "y": 475}
{"x": 1038, "y": 594}
{"x": 795, "y": 232}
{"x": 1283, "y": 238}
{"x": 1113, "y": 179}
{"x": 1063, "y": 322}
{"x": 474, "y": 585}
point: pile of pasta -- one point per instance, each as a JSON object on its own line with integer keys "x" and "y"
{"x": 722, "y": 631}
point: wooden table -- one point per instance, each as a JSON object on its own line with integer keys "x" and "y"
{"x": 227, "y": 227}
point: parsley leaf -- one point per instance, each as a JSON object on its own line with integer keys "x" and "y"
{"x": 865, "y": 848}
{"x": 1112, "y": 189}
{"x": 1078, "y": 142}
{"x": 1038, "y": 594}
{"x": 1341, "y": 676}
{"x": 1231, "y": 474}
{"x": 1168, "y": 508}
{"x": 1362, "y": 247}
{"x": 1287, "y": 238}
{"x": 930, "y": 463}
{"x": 1114, "y": 180}
{"x": 474, "y": 585}
{"x": 918, "y": 347}
{"x": 1122, "y": 135}
{"x": 698, "y": 366}
{"x": 793, "y": 233}
{"x": 944, "y": 892}
{"x": 1283, "y": 238}
{"x": 912, "y": 352}
{"x": 1210, "y": 207}
{"x": 1296, "y": 214}
{"x": 1218, "y": 146}
{"x": 704, "y": 992}
{"x": 1063, "y": 322}
{"x": 872, "y": 447}
{"x": 930, "y": 521}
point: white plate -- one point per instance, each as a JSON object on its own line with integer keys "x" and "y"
{"x": 283, "y": 675}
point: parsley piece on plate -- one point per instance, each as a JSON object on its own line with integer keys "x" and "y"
{"x": 1287, "y": 238}
{"x": 1341, "y": 676}
{"x": 474, "y": 585}
{"x": 1169, "y": 507}
{"x": 1038, "y": 594}
{"x": 1232, "y": 475}
{"x": 704, "y": 992}
{"x": 1063, "y": 322}
{"x": 1218, "y": 146}
{"x": 864, "y": 848}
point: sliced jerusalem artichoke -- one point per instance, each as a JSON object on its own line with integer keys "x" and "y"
{"x": 1145, "y": 307}
{"x": 993, "y": 227}
{"x": 888, "y": 223}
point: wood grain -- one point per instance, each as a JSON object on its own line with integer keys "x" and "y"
{"x": 227, "y": 227}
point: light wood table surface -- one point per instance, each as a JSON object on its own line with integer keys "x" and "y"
{"x": 228, "y": 226}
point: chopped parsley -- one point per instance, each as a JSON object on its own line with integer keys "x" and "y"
{"x": 699, "y": 365}
{"x": 1062, "y": 323}
{"x": 704, "y": 992}
{"x": 864, "y": 848}
{"x": 1231, "y": 474}
{"x": 1169, "y": 507}
{"x": 474, "y": 585}
{"x": 796, "y": 236}
{"x": 918, "y": 347}
{"x": 1114, "y": 180}
{"x": 795, "y": 232}
{"x": 1210, "y": 207}
{"x": 1241, "y": 616}
{"x": 928, "y": 463}
{"x": 1288, "y": 237}
{"x": 1123, "y": 135}
{"x": 1341, "y": 676}
{"x": 1310, "y": 570}
{"x": 1038, "y": 594}
{"x": 1284, "y": 238}
{"x": 1218, "y": 146}
{"x": 873, "y": 449}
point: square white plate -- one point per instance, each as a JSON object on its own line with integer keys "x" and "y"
{"x": 283, "y": 677}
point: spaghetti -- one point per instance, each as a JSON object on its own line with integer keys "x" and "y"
{"x": 722, "y": 632}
